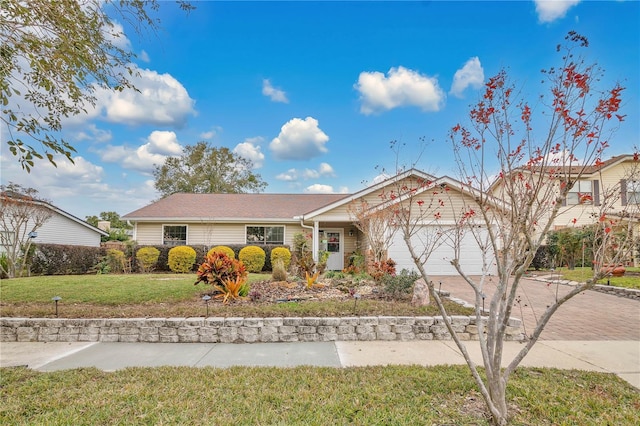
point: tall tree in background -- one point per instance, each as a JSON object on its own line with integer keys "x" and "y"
{"x": 203, "y": 169}
{"x": 54, "y": 55}
{"x": 22, "y": 213}
{"x": 510, "y": 217}
{"x": 112, "y": 217}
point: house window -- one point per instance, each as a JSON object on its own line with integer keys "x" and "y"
{"x": 265, "y": 234}
{"x": 633, "y": 192}
{"x": 581, "y": 193}
{"x": 174, "y": 235}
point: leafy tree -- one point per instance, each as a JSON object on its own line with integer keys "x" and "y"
{"x": 22, "y": 213}
{"x": 54, "y": 55}
{"x": 510, "y": 218}
{"x": 112, "y": 217}
{"x": 572, "y": 245}
{"x": 203, "y": 169}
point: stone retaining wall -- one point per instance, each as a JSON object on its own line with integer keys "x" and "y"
{"x": 629, "y": 293}
{"x": 240, "y": 330}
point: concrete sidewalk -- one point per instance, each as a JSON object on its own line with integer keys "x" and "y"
{"x": 618, "y": 357}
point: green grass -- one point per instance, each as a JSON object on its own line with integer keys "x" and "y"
{"x": 169, "y": 295}
{"x": 307, "y": 396}
{"x": 582, "y": 274}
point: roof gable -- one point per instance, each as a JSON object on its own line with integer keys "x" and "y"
{"x": 20, "y": 197}
{"x": 371, "y": 189}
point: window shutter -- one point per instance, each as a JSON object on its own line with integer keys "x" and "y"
{"x": 623, "y": 192}
{"x": 596, "y": 192}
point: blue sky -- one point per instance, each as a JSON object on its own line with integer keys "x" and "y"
{"x": 313, "y": 92}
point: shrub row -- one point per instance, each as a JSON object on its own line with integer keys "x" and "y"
{"x": 59, "y": 259}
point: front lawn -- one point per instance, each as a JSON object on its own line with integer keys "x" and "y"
{"x": 630, "y": 280}
{"x": 382, "y": 395}
{"x": 173, "y": 295}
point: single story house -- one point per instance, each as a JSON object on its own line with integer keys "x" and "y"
{"x": 218, "y": 219}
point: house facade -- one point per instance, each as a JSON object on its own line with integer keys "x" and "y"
{"x": 219, "y": 219}
{"x": 607, "y": 191}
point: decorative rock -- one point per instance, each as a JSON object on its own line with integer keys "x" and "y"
{"x": 420, "y": 293}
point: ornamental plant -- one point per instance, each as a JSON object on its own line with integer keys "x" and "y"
{"x": 227, "y": 276}
{"x": 223, "y": 249}
{"x": 181, "y": 259}
{"x": 281, "y": 253}
{"x": 147, "y": 258}
{"x": 253, "y": 258}
{"x": 511, "y": 216}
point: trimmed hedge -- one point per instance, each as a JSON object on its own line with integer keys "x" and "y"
{"x": 59, "y": 259}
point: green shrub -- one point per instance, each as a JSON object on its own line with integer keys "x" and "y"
{"x": 4, "y": 265}
{"x": 223, "y": 249}
{"x": 115, "y": 261}
{"x": 253, "y": 258}
{"x": 147, "y": 258}
{"x": 400, "y": 285}
{"x": 60, "y": 259}
{"x": 279, "y": 271}
{"x": 181, "y": 259}
{"x": 281, "y": 253}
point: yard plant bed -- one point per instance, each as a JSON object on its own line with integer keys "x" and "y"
{"x": 380, "y": 395}
{"x": 174, "y": 295}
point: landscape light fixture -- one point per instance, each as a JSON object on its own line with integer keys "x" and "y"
{"x": 206, "y": 299}
{"x": 56, "y": 299}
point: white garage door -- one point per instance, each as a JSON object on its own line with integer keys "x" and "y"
{"x": 439, "y": 262}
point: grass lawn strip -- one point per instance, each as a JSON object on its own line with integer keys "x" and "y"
{"x": 307, "y": 395}
{"x": 631, "y": 279}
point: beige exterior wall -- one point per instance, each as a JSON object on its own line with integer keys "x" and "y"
{"x": 208, "y": 234}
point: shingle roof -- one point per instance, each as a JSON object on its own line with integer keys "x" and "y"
{"x": 233, "y": 206}
{"x": 590, "y": 169}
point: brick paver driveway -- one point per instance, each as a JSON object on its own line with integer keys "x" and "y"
{"x": 588, "y": 316}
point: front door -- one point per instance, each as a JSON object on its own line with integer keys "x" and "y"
{"x": 331, "y": 241}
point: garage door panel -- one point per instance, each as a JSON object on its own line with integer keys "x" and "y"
{"x": 439, "y": 245}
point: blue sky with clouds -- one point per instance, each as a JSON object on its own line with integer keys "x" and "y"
{"x": 313, "y": 92}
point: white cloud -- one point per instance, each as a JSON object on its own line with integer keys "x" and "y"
{"x": 276, "y": 95}
{"x": 470, "y": 75}
{"x": 160, "y": 100}
{"x": 325, "y": 189}
{"x": 115, "y": 34}
{"x": 299, "y": 140}
{"x": 550, "y": 10}
{"x": 250, "y": 150}
{"x": 292, "y": 175}
{"x": 159, "y": 146}
{"x": 380, "y": 178}
{"x": 325, "y": 169}
{"x": 144, "y": 56}
{"x": 92, "y": 133}
{"x": 401, "y": 87}
{"x": 319, "y": 189}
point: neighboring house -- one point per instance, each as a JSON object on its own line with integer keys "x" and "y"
{"x": 613, "y": 184}
{"x": 63, "y": 228}
{"x": 217, "y": 219}
{"x": 616, "y": 180}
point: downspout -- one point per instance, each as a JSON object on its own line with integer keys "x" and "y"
{"x": 314, "y": 233}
